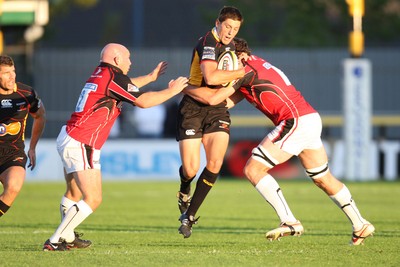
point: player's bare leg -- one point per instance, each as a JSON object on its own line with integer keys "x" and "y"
{"x": 70, "y": 198}
{"x": 190, "y": 156}
{"x": 12, "y": 179}
{"x": 265, "y": 157}
{"x": 215, "y": 146}
{"x": 315, "y": 162}
{"x": 89, "y": 183}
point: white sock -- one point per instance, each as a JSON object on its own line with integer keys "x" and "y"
{"x": 271, "y": 192}
{"x": 344, "y": 201}
{"x": 65, "y": 204}
{"x": 74, "y": 216}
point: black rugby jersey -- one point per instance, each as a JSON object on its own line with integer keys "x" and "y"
{"x": 14, "y": 109}
{"x": 209, "y": 47}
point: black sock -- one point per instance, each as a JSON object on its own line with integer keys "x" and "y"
{"x": 3, "y": 208}
{"x": 203, "y": 186}
{"x": 185, "y": 182}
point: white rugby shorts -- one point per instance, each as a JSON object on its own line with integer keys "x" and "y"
{"x": 75, "y": 155}
{"x": 305, "y": 133}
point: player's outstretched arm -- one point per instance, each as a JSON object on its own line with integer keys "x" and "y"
{"x": 209, "y": 96}
{"x": 150, "y": 99}
{"x": 152, "y": 76}
{"x": 234, "y": 99}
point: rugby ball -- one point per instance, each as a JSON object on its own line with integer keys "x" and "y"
{"x": 228, "y": 61}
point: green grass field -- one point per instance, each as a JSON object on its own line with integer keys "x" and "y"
{"x": 137, "y": 223}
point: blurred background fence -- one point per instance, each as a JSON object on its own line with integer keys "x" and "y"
{"x": 59, "y": 76}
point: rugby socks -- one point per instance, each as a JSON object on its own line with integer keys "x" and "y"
{"x": 203, "y": 186}
{"x": 65, "y": 205}
{"x": 272, "y": 193}
{"x": 74, "y": 216}
{"x": 185, "y": 183}
{"x": 344, "y": 201}
{"x": 3, "y": 208}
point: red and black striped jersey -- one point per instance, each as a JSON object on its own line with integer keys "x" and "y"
{"x": 269, "y": 90}
{"x": 14, "y": 109}
{"x": 100, "y": 104}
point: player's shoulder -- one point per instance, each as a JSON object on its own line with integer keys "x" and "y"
{"x": 206, "y": 40}
{"x": 24, "y": 88}
{"x": 255, "y": 60}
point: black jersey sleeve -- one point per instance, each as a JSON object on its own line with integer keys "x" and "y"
{"x": 34, "y": 102}
{"x": 246, "y": 80}
{"x": 31, "y": 96}
{"x": 124, "y": 85}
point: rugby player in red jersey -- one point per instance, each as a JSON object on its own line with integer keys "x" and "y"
{"x": 17, "y": 100}
{"x": 297, "y": 132}
{"x": 81, "y": 139}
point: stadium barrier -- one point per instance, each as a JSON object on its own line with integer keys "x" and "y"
{"x": 327, "y": 120}
{"x": 150, "y": 159}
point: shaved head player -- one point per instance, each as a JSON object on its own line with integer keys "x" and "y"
{"x": 80, "y": 141}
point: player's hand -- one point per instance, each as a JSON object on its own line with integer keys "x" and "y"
{"x": 178, "y": 84}
{"x": 32, "y": 159}
{"x": 159, "y": 70}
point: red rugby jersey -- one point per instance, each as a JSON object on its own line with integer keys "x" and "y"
{"x": 100, "y": 104}
{"x": 269, "y": 90}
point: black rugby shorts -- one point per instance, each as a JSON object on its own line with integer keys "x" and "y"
{"x": 196, "y": 119}
{"x": 12, "y": 157}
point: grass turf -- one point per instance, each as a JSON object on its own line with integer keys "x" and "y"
{"x": 137, "y": 223}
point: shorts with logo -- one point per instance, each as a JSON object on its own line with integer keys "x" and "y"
{"x": 12, "y": 157}
{"x": 196, "y": 119}
{"x": 76, "y": 156}
{"x": 295, "y": 135}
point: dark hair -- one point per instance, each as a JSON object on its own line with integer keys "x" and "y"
{"x": 6, "y": 60}
{"x": 230, "y": 12}
{"x": 241, "y": 46}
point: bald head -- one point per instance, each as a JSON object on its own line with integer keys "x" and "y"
{"x": 117, "y": 55}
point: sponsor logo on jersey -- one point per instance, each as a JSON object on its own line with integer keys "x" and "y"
{"x": 96, "y": 74}
{"x": 21, "y": 105}
{"x": 2, "y": 129}
{"x": 209, "y": 53}
{"x": 190, "y": 132}
{"x": 132, "y": 88}
{"x": 90, "y": 86}
{"x": 11, "y": 129}
{"x": 6, "y": 103}
{"x": 267, "y": 65}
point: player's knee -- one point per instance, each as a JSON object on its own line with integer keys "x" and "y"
{"x": 93, "y": 202}
{"x": 249, "y": 171}
{"x": 254, "y": 171}
{"x": 190, "y": 172}
{"x": 214, "y": 165}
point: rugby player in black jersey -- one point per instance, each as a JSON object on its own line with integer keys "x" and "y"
{"x": 203, "y": 124}
{"x": 17, "y": 100}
